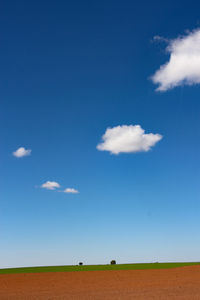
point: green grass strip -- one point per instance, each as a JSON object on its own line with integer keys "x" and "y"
{"x": 143, "y": 266}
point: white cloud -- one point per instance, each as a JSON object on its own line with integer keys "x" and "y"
{"x": 127, "y": 139}
{"x": 183, "y": 66}
{"x": 50, "y": 185}
{"x": 21, "y": 152}
{"x": 158, "y": 38}
{"x": 71, "y": 190}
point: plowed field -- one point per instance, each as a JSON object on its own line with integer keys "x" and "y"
{"x": 178, "y": 283}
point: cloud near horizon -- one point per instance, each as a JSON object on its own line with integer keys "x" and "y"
{"x": 50, "y": 185}
{"x": 71, "y": 191}
{"x": 21, "y": 152}
{"x": 127, "y": 139}
{"x": 183, "y": 67}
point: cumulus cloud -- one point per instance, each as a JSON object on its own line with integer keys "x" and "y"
{"x": 127, "y": 139}
{"x": 71, "y": 191}
{"x": 183, "y": 66}
{"x": 50, "y": 185}
{"x": 21, "y": 152}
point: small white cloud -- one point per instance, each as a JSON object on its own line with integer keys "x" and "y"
{"x": 50, "y": 185}
{"x": 21, "y": 152}
{"x": 158, "y": 38}
{"x": 71, "y": 190}
{"x": 183, "y": 66}
{"x": 127, "y": 139}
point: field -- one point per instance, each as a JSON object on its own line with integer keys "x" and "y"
{"x": 143, "y": 266}
{"x": 168, "y": 281}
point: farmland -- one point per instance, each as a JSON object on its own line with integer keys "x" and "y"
{"x": 71, "y": 268}
{"x": 119, "y": 282}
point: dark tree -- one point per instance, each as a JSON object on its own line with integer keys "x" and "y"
{"x": 80, "y": 264}
{"x": 113, "y": 262}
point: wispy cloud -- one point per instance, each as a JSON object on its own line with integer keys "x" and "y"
{"x": 158, "y": 38}
{"x": 53, "y": 185}
{"x": 50, "y": 185}
{"x": 71, "y": 191}
{"x": 21, "y": 152}
{"x": 183, "y": 67}
{"x": 127, "y": 139}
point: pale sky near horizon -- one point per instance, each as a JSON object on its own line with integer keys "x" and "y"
{"x": 100, "y": 140}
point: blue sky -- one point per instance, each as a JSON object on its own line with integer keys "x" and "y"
{"x": 70, "y": 71}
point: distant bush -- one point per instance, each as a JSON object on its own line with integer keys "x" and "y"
{"x": 113, "y": 262}
{"x": 80, "y": 264}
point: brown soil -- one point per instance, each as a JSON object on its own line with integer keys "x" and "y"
{"x": 178, "y": 283}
